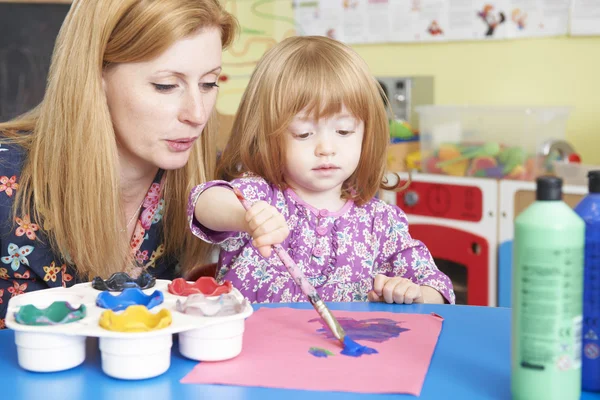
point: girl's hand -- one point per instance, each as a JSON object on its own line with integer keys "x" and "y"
{"x": 267, "y": 226}
{"x": 395, "y": 290}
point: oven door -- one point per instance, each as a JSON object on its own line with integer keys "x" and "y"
{"x": 461, "y": 255}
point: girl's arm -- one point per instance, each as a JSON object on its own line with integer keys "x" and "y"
{"x": 216, "y": 215}
{"x": 218, "y": 209}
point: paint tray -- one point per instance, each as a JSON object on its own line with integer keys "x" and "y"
{"x": 135, "y": 330}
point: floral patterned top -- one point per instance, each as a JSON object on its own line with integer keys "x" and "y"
{"x": 339, "y": 252}
{"x": 27, "y": 263}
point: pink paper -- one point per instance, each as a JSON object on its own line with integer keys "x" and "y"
{"x": 276, "y": 354}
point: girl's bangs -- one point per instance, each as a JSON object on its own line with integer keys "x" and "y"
{"x": 319, "y": 91}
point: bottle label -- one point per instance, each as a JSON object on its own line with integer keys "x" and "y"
{"x": 551, "y": 308}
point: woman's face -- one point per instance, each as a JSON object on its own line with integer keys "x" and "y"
{"x": 160, "y": 107}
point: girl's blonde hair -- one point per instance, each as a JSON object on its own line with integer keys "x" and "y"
{"x": 318, "y": 75}
{"x": 70, "y": 177}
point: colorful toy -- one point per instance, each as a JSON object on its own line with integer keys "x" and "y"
{"x": 401, "y": 129}
{"x": 449, "y": 161}
{"x": 413, "y": 160}
{"x": 488, "y": 149}
{"x": 491, "y": 160}
{"x": 483, "y": 166}
{"x": 511, "y": 157}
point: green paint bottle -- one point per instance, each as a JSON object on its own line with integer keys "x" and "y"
{"x": 547, "y": 297}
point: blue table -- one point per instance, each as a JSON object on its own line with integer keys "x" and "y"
{"x": 471, "y": 361}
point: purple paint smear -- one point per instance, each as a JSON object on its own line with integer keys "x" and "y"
{"x": 376, "y": 330}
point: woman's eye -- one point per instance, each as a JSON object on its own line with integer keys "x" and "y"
{"x": 207, "y": 86}
{"x": 344, "y": 133}
{"x": 164, "y": 88}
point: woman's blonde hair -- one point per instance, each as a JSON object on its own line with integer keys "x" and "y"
{"x": 70, "y": 178}
{"x": 317, "y": 75}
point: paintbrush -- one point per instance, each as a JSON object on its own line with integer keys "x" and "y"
{"x": 302, "y": 282}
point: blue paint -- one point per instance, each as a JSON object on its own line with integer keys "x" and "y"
{"x": 353, "y": 349}
{"x": 129, "y": 297}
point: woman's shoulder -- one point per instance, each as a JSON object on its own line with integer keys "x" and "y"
{"x": 12, "y": 155}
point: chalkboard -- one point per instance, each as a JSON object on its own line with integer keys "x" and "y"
{"x": 27, "y": 36}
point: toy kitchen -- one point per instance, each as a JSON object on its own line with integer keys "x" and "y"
{"x": 474, "y": 173}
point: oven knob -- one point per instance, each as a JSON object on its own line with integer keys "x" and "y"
{"x": 411, "y": 198}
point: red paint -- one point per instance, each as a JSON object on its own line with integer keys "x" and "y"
{"x": 206, "y": 285}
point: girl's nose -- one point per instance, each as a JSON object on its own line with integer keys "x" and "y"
{"x": 324, "y": 147}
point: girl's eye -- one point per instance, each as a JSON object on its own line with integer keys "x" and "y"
{"x": 304, "y": 135}
{"x": 164, "y": 88}
{"x": 345, "y": 133}
{"x": 207, "y": 86}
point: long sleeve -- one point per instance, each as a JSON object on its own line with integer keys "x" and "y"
{"x": 253, "y": 189}
{"x": 26, "y": 261}
{"x": 402, "y": 255}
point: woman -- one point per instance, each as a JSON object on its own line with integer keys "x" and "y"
{"x": 95, "y": 179}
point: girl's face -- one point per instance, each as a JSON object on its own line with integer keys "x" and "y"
{"x": 321, "y": 155}
{"x": 160, "y": 107}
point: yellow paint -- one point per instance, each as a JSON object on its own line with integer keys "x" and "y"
{"x": 547, "y": 71}
{"x": 135, "y": 319}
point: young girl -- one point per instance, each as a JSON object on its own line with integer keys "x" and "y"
{"x": 308, "y": 148}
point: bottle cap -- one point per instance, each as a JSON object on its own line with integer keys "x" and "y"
{"x": 549, "y": 188}
{"x": 594, "y": 181}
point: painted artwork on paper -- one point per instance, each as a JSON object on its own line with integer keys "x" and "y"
{"x": 276, "y": 338}
{"x": 377, "y": 330}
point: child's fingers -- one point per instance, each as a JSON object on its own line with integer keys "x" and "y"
{"x": 389, "y": 290}
{"x": 265, "y": 251}
{"x": 258, "y": 214}
{"x": 394, "y": 289}
{"x": 378, "y": 283}
{"x": 274, "y": 224}
{"x": 374, "y": 297}
{"x": 412, "y": 294}
{"x": 399, "y": 291}
{"x": 274, "y": 237}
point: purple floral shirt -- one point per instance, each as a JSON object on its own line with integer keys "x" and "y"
{"x": 339, "y": 252}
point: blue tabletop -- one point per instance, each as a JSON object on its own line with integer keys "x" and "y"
{"x": 471, "y": 361}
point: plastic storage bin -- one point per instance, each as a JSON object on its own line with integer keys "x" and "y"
{"x": 488, "y": 141}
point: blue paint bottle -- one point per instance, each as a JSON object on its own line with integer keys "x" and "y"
{"x": 589, "y": 210}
